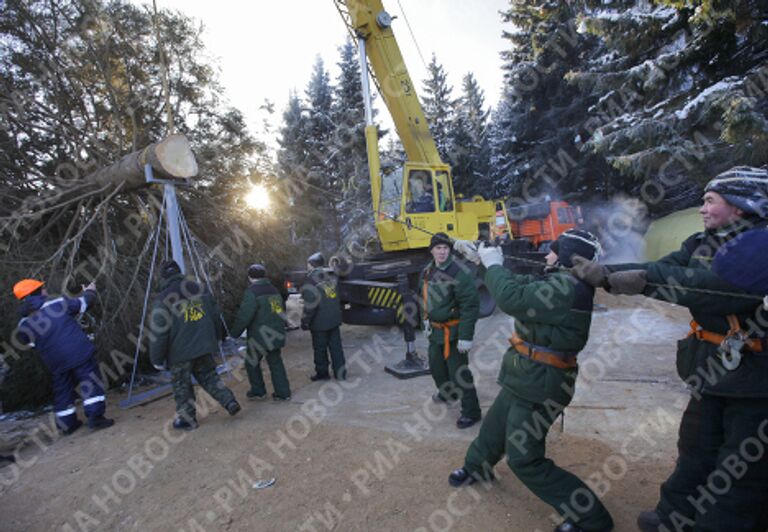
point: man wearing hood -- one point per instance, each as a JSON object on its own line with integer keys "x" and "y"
{"x": 49, "y": 325}
{"x": 723, "y": 360}
{"x": 186, "y": 327}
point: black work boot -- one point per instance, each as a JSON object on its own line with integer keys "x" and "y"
{"x": 233, "y": 407}
{"x": 255, "y": 396}
{"x": 100, "y": 422}
{"x": 276, "y": 397}
{"x": 461, "y": 477}
{"x": 649, "y": 521}
{"x": 76, "y": 425}
{"x": 464, "y": 422}
{"x": 320, "y": 377}
{"x": 181, "y": 423}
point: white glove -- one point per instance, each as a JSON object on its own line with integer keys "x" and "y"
{"x": 490, "y": 255}
{"x": 468, "y": 249}
{"x": 427, "y": 327}
{"x": 158, "y": 367}
{"x": 464, "y": 346}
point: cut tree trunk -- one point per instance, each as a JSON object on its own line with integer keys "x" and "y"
{"x": 171, "y": 158}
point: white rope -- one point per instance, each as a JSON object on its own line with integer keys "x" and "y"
{"x": 146, "y": 300}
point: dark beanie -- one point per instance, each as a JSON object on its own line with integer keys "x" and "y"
{"x": 316, "y": 260}
{"x": 256, "y": 271}
{"x": 169, "y": 268}
{"x": 440, "y": 238}
{"x": 575, "y": 242}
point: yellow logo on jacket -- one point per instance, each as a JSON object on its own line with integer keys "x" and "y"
{"x": 192, "y": 310}
{"x": 330, "y": 291}
{"x": 275, "y": 305}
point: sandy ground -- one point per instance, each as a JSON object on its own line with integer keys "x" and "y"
{"x": 373, "y": 454}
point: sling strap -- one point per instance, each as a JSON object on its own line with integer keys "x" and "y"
{"x": 545, "y": 356}
{"x": 753, "y": 344}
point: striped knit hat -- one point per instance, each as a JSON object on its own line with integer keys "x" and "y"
{"x": 576, "y": 242}
{"x": 745, "y": 187}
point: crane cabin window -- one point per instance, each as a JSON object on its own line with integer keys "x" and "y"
{"x": 444, "y": 192}
{"x": 391, "y": 193}
{"x": 419, "y": 196}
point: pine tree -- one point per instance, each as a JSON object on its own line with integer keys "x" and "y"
{"x": 469, "y": 151}
{"x": 319, "y": 165}
{"x": 349, "y": 156}
{"x": 438, "y": 105}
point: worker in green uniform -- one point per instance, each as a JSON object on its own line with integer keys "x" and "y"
{"x": 262, "y": 314}
{"x": 322, "y": 317}
{"x": 186, "y": 326}
{"x": 450, "y": 306}
{"x": 729, "y": 394}
{"x": 538, "y": 375}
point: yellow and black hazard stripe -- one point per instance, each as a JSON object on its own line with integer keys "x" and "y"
{"x": 384, "y": 297}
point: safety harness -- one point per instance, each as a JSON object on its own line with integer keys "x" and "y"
{"x": 557, "y": 359}
{"x": 731, "y": 344}
{"x": 444, "y": 326}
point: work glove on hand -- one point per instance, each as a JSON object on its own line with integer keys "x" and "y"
{"x": 464, "y": 346}
{"x": 468, "y": 249}
{"x": 490, "y": 255}
{"x": 304, "y": 325}
{"x": 629, "y": 282}
{"x": 426, "y": 327}
{"x": 589, "y": 271}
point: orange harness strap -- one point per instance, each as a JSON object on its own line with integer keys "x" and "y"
{"x": 753, "y": 344}
{"x": 446, "y": 327}
{"x": 551, "y": 359}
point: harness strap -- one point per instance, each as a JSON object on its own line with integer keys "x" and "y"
{"x": 446, "y": 326}
{"x": 753, "y": 344}
{"x": 545, "y": 356}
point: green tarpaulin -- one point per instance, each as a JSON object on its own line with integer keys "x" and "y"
{"x": 666, "y": 234}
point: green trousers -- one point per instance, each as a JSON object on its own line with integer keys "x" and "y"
{"x": 518, "y": 428}
{"x": 204, "y": 370}
{"x": 324, "y": 342}
{"x": 453, "y": 378}
{"x": 276, "y": 370}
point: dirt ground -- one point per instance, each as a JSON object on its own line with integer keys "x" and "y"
{"x": 373, "y": 454}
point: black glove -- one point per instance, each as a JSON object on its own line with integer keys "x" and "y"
{"x": 629, "y": 282}
{"x": 589, "y": 271}
{"x": 304, "y": 325}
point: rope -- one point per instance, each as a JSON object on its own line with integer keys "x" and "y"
{"x": 570, "y": 270}
{"x": 418, "y": 48}
{"x": 193, "y": 256}
{"x": 163, "y": 70}
{"x": 146, "y": 300}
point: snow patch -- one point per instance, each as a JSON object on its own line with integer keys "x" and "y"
{"x": 720, "y": 86}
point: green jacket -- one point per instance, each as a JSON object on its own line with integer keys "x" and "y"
{"x": 451, "y": 295}
{"x": 262, "y": 314}
{"x": 698, "y": 362}
{"x": 322, "y": 307}
{"x": 185, "y": 322}
{"x": 553, "y": 312}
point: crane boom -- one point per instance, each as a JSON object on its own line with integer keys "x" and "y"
{"x": 368, "y": 20}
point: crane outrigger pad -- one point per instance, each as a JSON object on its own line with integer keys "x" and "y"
{"x": 411, "y": 366}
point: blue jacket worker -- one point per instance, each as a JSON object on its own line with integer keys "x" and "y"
{"x": 50, "y": 326}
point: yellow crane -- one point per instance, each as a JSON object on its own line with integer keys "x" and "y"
{"x": 417, "y": 200}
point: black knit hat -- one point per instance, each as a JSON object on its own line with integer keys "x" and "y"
{"x": 256, "y": 271}
{"x": 575, "y": 242}
{"x": 745, "y": 187}
{"x": 169, "y": 268}
{"x": 316, "y": 260}
{"x": 440, "y": 238}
